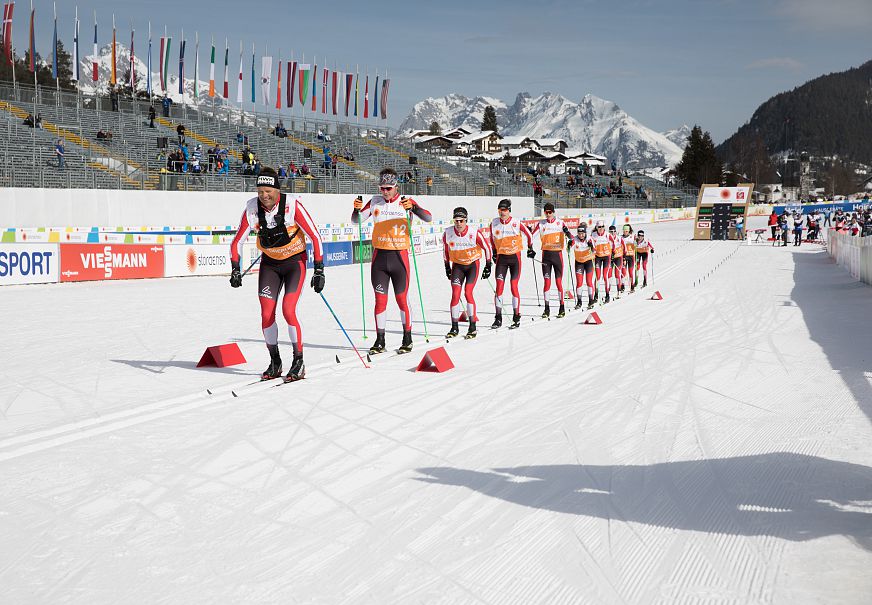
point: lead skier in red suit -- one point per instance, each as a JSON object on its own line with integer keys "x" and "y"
{"x": 281, "y": 224}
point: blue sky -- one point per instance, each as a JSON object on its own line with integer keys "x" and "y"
{"x": 666, "y": 63}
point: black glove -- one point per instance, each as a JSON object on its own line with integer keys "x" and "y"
{"x": 318, "y": 277}
{"x": 447, "y": 269}
{"x": 651, "y": 251}
{"x": 531, "y": 253}
{"x": 487, "y": 269}
{"x": 235, "y": 275}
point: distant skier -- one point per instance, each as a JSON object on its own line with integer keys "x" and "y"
{"x": 507, "y": 239}
{"x": 552, "y": 234}
{"x": 602, "y": 250}
{"x": 582, "y": 249}
{"x": 462, "y": 249}
{"x": 617, "y": 265}
{"x": 281, "y": 224}
{"x": 391, "y": 241}
{"x": 629, "y": 257}
{"x": 644, "y": 247}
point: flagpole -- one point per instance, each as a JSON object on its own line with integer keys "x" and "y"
{"x": 54, "y": 52}
{"x": 12, "y": 60}
{"x": 33, "y": 60}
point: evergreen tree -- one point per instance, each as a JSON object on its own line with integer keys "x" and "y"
{"x": 435, "y": 128}
{"x": 489, "y": 122}
{"x": 699, "y": 164}
{"x": 65, "y": 68}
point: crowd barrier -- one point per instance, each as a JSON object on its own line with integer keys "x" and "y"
{"x": 852, "y": 252}
{"x": 74, "y": 254}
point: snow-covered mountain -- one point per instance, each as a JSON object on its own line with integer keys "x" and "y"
{"x": 593, "y": 124}
{"x": 122, "y": 59}
{"x": 678, "y": 135}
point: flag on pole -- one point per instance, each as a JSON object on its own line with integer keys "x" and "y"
{"x": 356, "y": 91}
{"x": 239, "y": 79}
{"x": 76, "y": 67}
{"x": 349, "y": 81}
{"x": 303, "y": 87}
{"x": 265, "y": 78}
{"x": 113, "y": 77}
{"x": 32, "y": 65}
{"x": 212, "y": 70}
{"x": 375, "y": 97}
{"x": 292, "y": 75}
{"x": 336, "y": 79}
{"x": 226, "y": 69}
{"x": 324, "y": 91}
{"x": 386, "y": 83}
{"x": 95, "y": 75}
{"x": 148, "y": 87}
{"x": 132, "y": 62}
{"x": 54, "y": 45}
{"x": 252, "y": 73}
{"x": 366, "y": 98}
{"x": 182, "y": 65}
{"x": 196, "y": 65}
{"x": 8, "y": 9}
{"x": 315, "y": 86}
{"x": 165, "y": 64}
{"x": 279, "y": 86}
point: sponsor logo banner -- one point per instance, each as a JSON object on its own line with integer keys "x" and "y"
{"x": 86, "y": 262}
{"x": 197, "y": 259}
{"x": 337, "y": 253}
{"x": 28, "y": 264}
{"x": 362, "y": 253}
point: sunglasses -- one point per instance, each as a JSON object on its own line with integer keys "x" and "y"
{"x": 459, "y": 220}
{"x": 386, "y": 188}
{"x": 549, "y": 212}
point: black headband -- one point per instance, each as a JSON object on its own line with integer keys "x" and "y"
{"x": 266, "y": 180}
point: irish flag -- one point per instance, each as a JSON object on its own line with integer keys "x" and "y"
{"x": 212, "y": 70}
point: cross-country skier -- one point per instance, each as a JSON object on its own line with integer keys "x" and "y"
{"x": 462, "y": 249}
{"x": 617, "y": 259}
{"x": 629, "y": 257}
{"x": 391, "y": 241}
{"x": 280, "y": 223}
{"x": 644, "y": 247}
{"x": 507, "y": 239}
{"x": 602, "y": 251}
{"x": 582, "y": 249}
{"x": 551, "y": 231}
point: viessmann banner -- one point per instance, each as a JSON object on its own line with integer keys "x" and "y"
{"x": 88, "y": 262}
{"x": 197, "y": 259}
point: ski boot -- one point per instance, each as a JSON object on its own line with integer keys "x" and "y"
{"x": 471, "y": 333}
{"x": 379, "y": 345}
{"x": 454, "y": 331}
{"x": 590, "y": 304}
{"x": 516, "y": 321}
{"x": 579, "y": 304}
{"x": 632, "y": 289}
{"x": 498, "y": 321}
{"x": 275, "y": 365}
{"x": 607, "y": 298}
{"x": 406, "y": 347}
{"x": 298, "y": 369}
{"x": 547, "y": 312}
{"x": 645, "y": 283}
{"x": 561, "y": 312}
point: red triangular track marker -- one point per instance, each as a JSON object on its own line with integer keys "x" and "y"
{"x": 222, "y": 356}
{"x": 436, "y": 360}
{"x": 656, "y": 296}
{"x": 593, "y": 318}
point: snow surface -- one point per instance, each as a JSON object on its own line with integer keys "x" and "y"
{"x": 713, "y": 446}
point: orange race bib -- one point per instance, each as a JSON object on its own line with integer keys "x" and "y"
{"x": 552, "y": 241}
{"x": 583, "y": 255}
{"x": 391, "y": 234}
{"x": 294, "y": 247}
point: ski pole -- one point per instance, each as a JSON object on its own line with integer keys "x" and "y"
{"x": 536, "y": 280}
{"x": 254, "y": 262}
{"x": 571, "y": 275}
{"x": 360, "y": 257}
{"x": 343, "y": 329}
{"x": 417, "y": 279}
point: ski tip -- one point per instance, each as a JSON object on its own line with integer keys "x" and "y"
{"x": 209, "y": 391}
{"x": 337, "y": 359}
{"x": 368, "y": 358}
{"x": 234, "y": 393}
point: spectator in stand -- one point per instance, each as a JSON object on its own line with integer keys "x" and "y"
{"x": 773, "y": 223}
{"x": 113, "y": 97}
{"x": 304, "y": 169}
{"x": 151, "y": 116}
{"x": 29, "y": 121}
{"x": 280, "y": 130}
{"x": 59, "y": 153}
{"x": 429, "y": 183}
{"x": 180, "y": 130}
{"x": 165, "y": 103}
{"x": 185, "y": 156}
{"x": 210, "y": 154}
{"x": 38, "y": 122}
{"x": 283, "y": 174}
{"x": 195, "y": 160}
{"x": 854, "y": 226}
{"x": 239, "y": 138}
